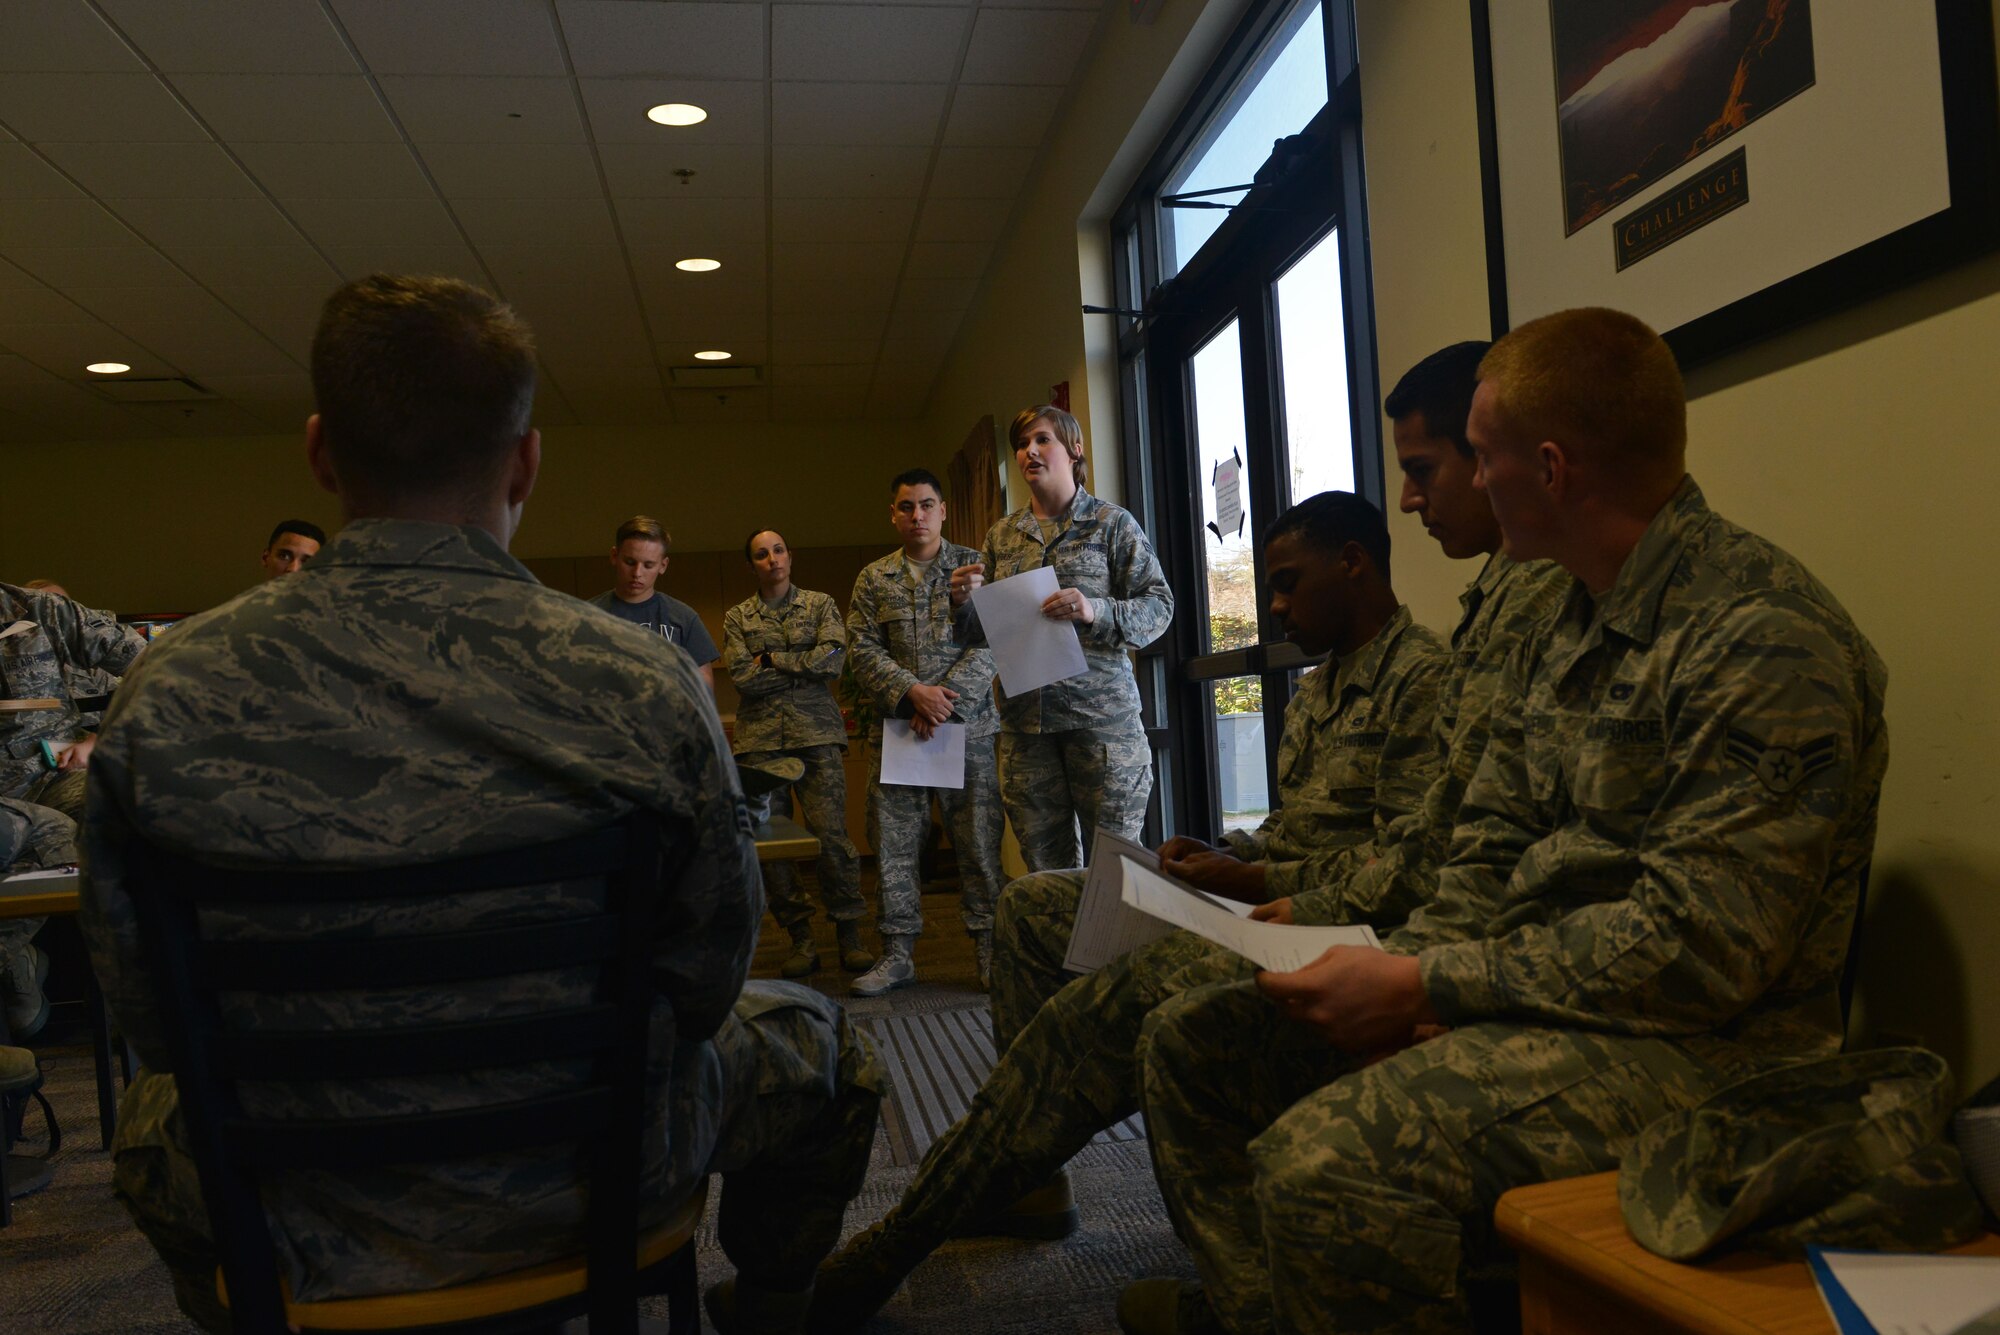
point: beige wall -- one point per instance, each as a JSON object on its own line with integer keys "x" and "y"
{"x": 176, "y": 525}
{"x": 1863, "y": 444}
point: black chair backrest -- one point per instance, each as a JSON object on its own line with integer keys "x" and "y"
{"x": 1850, "y": 968}
{"x": 603, "y": 1114}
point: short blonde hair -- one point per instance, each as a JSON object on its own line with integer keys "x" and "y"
{"x": 647, "y": 527}
{"x": 1596, "y": 380}
{"x": 1067, "y": 431}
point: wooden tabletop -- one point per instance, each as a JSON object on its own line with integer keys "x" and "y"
{"x": 29, "y": 705}
{"x": 782, "y": 839}
{"x": 1581, "y": 1270}
{"x": 37, "y": 898}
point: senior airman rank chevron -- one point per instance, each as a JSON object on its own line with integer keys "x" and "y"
{"x": 1781, "y": 768}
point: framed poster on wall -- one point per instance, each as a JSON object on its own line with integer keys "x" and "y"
{"x": 1725, "y": 169}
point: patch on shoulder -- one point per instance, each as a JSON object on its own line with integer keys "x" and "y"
{"x": 1781, "y": 768}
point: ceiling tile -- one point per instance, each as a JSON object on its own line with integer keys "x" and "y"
{"x": 233, "y": 36}
{"x": 348, "y": 220}
{"x": 401, "y": 254}
{"x": 836, "y": 402}
{"x": 721, "y": 405}
{"x": 936, "y": 294}
{"x": 948, "y": 259}
{"x": 611, "y": 398}
{"x": 68, "y": 347}
{"x": 721, "y": 171}
{"x": 69, "y": 409}
{"x": 59, "y": 35}
{"x": 38, "y": 304}
{"x": 80, "y": 221}
{"x": 474, "y": 110}
{"x": 986, "y": 115}
{"x": 807, "y": 262}
{"x": 845, "y": 293}
{"x": 822, "y": 323}
{"x": 590, "y": 270}
{"x": 174, "y": 223}
{"x": 190, "y": 327}
{"x": 295, "y": 265}
{"x": 743, "y": 352}
{"x": 23, "y": 175}
{"x": 856, "y": 113}
{"x": 288, "y": 108}
{"x": 823, "y": 351}
{"x": 730, "y": 332}
{"x": 66, "y": 108}
{"x": 820, "y": 376}
{"x": 64, "y": 267}
{"x": 849, "y": 171}
{"x": 841, "y": 220}
{"x": 514, "y": 171}
{"x": 660, "y": 231}
{"x": 914, "y": 356}
{"x": 1027, "y": 46}
{"x": 201, "y": 418}
{"x": 976, "y": 220}
{"x": 587, "y": 336}
{"x": 315, "y": 171}
{"x": 153, "y": 171}
{"x": 528, "y": 222}
{"x": 925, "y": 326}
{"x": 617, "y": 37}
{"x": 618, "y": 109}
{"x": 980, "y": 173}
{"x": 860, "y": 41}
{"x": 285, "y": 315}
{"x": 696, "y": 306}
{"x": 453, "y": 36}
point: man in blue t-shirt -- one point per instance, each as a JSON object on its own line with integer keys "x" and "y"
{"x": 639, "y": 558}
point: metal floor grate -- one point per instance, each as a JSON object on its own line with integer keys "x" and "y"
{"x": 936, "y": 1061}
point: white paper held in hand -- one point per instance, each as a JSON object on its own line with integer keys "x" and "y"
{"x": 1278, "y": 946}
{"x": 935, "y": 763}
{"x": 1106, "y": 927}
{"x": 1029, "y": 650}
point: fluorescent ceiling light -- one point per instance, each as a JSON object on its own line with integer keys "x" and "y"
{"x": 676, "y": 113}
{"x": 107, "y": 368}
{"x": 698, "y": 266}
{"x": 711, "y": 356}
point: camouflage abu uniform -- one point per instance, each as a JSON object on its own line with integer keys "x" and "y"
{"x": 1357, "y": 755}
{"x": 899, "y": 634}
{"x": 57, "y": 638}
{"x": 1075, "y": 751}
{"x": 787, "y": 710}
{"x": 415, "y": 693}
{"x": 1070, "y": 1072}
{"x": 1649, "y": 894}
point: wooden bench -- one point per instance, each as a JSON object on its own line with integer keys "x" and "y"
{"x": 1582, "y": 1274}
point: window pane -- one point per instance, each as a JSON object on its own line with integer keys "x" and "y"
{"x": 1312, "y": 360}
{"x": 1228, "y": 562}
{"x": 1241, "y": 775}
{"x": 1281, "y": 92}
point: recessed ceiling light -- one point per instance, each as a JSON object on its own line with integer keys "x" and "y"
{"x": 107, "y": 368}
{"x": 711, "y": 356}
{"x": 698, "y": 266}
{"x": 676, "y": 113}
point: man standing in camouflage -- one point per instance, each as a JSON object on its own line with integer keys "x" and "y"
{"x": 783, "y": 647}
{"x": 415, "y": 694}
{"x": 1649, "y": 892}
{"x": 1072, "y": 1071}
{"x": 899, "y": 637}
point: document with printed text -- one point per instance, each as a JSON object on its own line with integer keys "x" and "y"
{"x": 1107, "y": 927}
{"x": 1271, "y": 945}
{"x": 1029, "y": 650}
{"x": 934, "y": 762}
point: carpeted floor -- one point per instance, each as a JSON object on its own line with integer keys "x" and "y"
{"x": 73, "y": 1263}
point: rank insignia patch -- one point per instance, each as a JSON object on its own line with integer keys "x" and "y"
{"x": 1781, "y": 768}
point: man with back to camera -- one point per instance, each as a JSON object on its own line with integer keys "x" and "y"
{"x": 293, "y": 543}
{"x": 419, "y": 695}
{"x": 1073, "y": 1070}
{"x": 638, "y": 559}
{"x": 1649, "y": 894}
{"x": 899, "y": 638}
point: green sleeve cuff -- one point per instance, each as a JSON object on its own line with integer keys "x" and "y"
{"x": 1285, "y": 880}
{"x": 1458, "y": 982}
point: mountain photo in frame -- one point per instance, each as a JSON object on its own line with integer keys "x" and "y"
{"x": 1725, "y": 169}
{"x": 1644, "y": 87}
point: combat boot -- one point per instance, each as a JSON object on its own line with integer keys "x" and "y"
{"x": 1165, "y": 1307}
{"x": 736, "y": 1308}
{"x": 895, "y": 969}
{"x": 853, "y": 957}
{"x": 803, "y": 962}
{"x": 1046, "y": 1214}
{"x": 26, "y": 1004}
{"x": 982, "y": 952}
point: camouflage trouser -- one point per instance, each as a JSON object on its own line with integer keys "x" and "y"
{"x": 1317, "y": 1194}
{"x": 793, "y": 1124}
{"x": 1031, "y": 931}
{"x": 61, "y": 789}
{"x": 1052, "y": 781}
{"x": 822, "y": 799}
{"x": 31, "y": 835}
{"x": 899, "y": 822}
{"x": 1072, "y": 1072}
